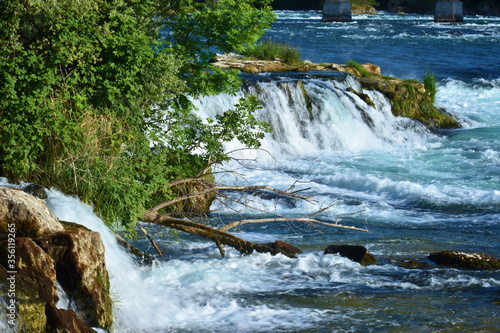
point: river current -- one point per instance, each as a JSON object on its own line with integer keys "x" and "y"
{"x": 416, "y": 191}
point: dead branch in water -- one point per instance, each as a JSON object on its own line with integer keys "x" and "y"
{"x": 220, "y": 236}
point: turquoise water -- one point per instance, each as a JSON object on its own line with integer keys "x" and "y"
{"x": 416, "y": 191}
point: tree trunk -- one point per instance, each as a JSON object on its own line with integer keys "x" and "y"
{"x": 219, "y": 237}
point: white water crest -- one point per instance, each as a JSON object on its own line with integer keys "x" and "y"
{"x": 333, "y": 119}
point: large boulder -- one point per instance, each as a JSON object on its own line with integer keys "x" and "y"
{"x": 34, "y": 266}
{"x": 355, "y": 253}
{"x": 78, "y": 255}
{"x": 30, "y": 215}
{"x": 465, "y": 260}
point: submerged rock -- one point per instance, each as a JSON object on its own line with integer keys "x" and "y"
{"x": 355, "y": 253}
{"x": 36, "y": 190}
{"x": 414, "y": 264}
{"x": 465, "y": 260}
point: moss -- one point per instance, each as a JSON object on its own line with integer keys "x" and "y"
{"x": 363, "y": 96}
{"x": 414, "y": 264}
{"x": 409, "y": 99}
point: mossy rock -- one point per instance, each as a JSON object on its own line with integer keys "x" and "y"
{"x": 307, "y": 98}
{"x": 414, "y": 264}
{"x": 409, "y": 99}
{"x": 30, "y": 307}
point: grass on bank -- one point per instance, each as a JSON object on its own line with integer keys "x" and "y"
{"x": 270, "y": 50}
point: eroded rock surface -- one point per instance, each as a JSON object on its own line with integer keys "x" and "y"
{"x": 36, "y": 252}
{"x": 31, "y": 215}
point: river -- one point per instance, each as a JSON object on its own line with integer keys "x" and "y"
{"x": 416, "y": 191}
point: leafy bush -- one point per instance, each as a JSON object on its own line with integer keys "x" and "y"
{"x": 270, "y": 50}
{"x": 94, "y": 98}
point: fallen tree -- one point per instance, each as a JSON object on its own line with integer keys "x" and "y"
{"x": 220, "y": 236}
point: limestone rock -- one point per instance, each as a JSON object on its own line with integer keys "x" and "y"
{"x": 355, "y": 253}
{"x": 78, "y": 254}
{"x": 31, "y": 216}
{"x": 62, "y": 321}
{"x": 363, "y": 10}
{"x": 30, "y": 307}
{"x": 465, "y": 260}
{"x": 34, "y": 266}
{"x": 371, "y": 68}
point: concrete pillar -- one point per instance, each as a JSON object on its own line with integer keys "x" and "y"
{"x": 337, "y": 11}
{"x": 449, "y": 11}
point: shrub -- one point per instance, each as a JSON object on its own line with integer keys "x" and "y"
{"x": 430, "y": 84}
{"x": 95, "y": 101}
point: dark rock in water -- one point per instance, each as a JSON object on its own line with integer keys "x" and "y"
{"x": 61, "y": 320}
{"x": 47, "y": 252}
{"x": 285, "y": 248}
{"x": 36, "y": 190}
{"x": 356, "y": 253}
{"x": 465, "y": 260}
{"x": 414, "y": 264}
{"x": 78, "y": 255}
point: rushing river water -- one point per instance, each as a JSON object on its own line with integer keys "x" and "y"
{"x": 418, "y": 192}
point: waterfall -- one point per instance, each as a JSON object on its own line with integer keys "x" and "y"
{"x": 322, "y": 114}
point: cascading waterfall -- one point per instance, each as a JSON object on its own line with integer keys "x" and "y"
{"x": 320, "y": 114}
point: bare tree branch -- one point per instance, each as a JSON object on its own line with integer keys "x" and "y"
{"x": 151, "y": 241}
{"x": 289, "y": 219}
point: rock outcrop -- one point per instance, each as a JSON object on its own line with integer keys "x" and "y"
{"x": 355, "y": 253}
{"x": 408, "y": 98}
{"x": 465, "y": 260}
{"x": 30, "y": 215}
{"x": 365, "y": 9}
{"x": 36, "y": 252}
{"x": 285, "y": 248}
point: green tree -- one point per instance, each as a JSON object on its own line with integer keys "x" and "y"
{"x": 95, "y": 94}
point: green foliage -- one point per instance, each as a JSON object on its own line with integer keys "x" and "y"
{"x": 363, "y": 72}
{"x": 95, "y": 95}
{"x": 270, "y": 50}
{"x": 430, "y": 84}
{"x": 362, "y": 3}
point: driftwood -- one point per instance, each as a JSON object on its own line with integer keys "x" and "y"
{"x": 221, "y": 236}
